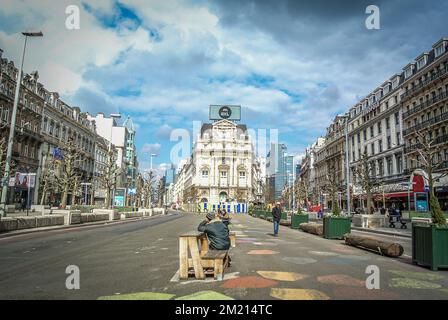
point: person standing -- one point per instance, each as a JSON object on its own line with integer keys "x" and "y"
{"x": 276, "y": 216}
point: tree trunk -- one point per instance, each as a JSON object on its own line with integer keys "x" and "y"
{"x": 314, "y": 228}
{"x": 369, "y": 201}
{"x": 42, "y": 198}
{"x": 108, "y": 198}
{"x": 389, "y": 249}
{"x": 64, "y": 197}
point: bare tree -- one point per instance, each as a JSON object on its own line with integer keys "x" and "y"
{"x": 366, "y": 179}
{"x": 333, "y": 186}
{"x": 161, "y": 191}
{"x": 48, "y": 180}
{"x": 71, "y": 158}
{"x": 148, "y": 189}
{"x": 108, "y": 177}
{"x": 430, "y": 160}
{"x": 301, "y": 192}
{"x": 76, "y": 189}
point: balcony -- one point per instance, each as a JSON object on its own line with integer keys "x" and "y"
{"x": 438, "y": 98}
{"x": 409, "y": 93}
{"x": 427, "y": 123}
{"x": 441, "y": 167}
{"x": 438, "y": 140}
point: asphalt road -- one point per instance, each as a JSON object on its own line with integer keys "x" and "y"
{"x": 139, "y": 259}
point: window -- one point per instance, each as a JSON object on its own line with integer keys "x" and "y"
{"x": 365, "y": 134}
{"x": 223, "y": 174}
{"x": 440, "y": 49}
{"x": 204, "y": 174}
{"x": 380, "y": 168}
{"x": 389, "y": 165}
{"x": 387, "y": 123}
{"x": 380, "y": 145}
{"x": 25, "y": 151}
{"x": 371, "y": 132}
{"x": 397, "y": 118}
{"x": 389, "y": 142}
{"x": 398, "y": 139}
{"x": 421, "y": 62}
{"x": 408, "y": 72}
{"x": 399, "y": 163}
{"x": 379, "y": 127}
{"x": 372, "y": 148}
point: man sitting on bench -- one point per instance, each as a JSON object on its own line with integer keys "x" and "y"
{"x": 216, "y": 231}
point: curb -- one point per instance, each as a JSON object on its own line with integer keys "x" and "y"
{"x": 63, "y": 227}
{"x": 383, "y": 232}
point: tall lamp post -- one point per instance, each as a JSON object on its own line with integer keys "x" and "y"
{"x": 113, "y": 116}
{"x": 152, "y": 156}
{"x": 347, "y": 167}
{"x": 13, "y": 124}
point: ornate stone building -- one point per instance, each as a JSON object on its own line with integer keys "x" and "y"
{"x": 221, "y": 170}
{"x": 425, "y": 109}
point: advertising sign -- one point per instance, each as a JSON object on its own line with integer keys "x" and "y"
{"x": 421, "y": 201}
{"x": 23, "y": 180}
{"x": 119, "y": 197}
{"x": 219, "y": 112}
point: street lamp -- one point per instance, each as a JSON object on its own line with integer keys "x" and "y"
{"x": 152, "y": 155}
{"x": 113, "y": 116}
{"x": 13, "y": 124}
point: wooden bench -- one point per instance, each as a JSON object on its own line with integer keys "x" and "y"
{"x": 196, "y": 259}
{"x": 220, "y": 259}
{"x": 232, "y": 235}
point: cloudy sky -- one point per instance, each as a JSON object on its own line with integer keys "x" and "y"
{"x": 292, "y": 65}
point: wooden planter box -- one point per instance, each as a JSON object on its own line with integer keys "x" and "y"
{"x": 336, "y": 227}
{"x": 297, "y": 219}
{"x": 430, "y": 246}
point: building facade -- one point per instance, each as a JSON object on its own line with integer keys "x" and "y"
{"x": 220, "y": 171}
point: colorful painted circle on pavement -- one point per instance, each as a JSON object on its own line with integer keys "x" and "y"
{"x": 282, "y": 276}
{"x": 417, "y": 275}
{"x": 298, "y": 294}
{"x": 341, "y": 279}
{"x": 139, "y": 296}
{"x": 358, "y": 293}
{"x": 249, "y": 282}
{"x": 412, "y": 284}
{"x": 299, "y": 260}
{"x": 205, "y": 295}
{"x": 324, "y": 253}
{"x": 262, "y": 252}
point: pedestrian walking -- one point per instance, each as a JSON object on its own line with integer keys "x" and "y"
{"x": 23, "y": 204}
{"x": 276, "y": 216}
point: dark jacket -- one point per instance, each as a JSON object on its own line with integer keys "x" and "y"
{"x": 276, "y": 214}
{"x": 217, "y": 233}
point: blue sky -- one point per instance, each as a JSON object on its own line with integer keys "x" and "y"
{"x": 291, "y": 65}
